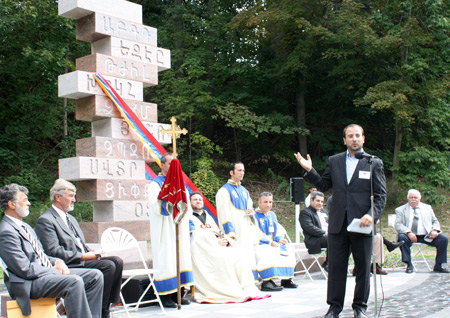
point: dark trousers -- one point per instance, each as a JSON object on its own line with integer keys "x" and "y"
{"x": 440, "y": 242}
{"x": 111, "y": 267}
{"x": 339, "y": 245}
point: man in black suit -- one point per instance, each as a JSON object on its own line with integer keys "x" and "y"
{"x": 31, "y": 273}
{"x": 314, "y": 223}
{"x": 349, "y": 178}
{"x": 62, "y": 237}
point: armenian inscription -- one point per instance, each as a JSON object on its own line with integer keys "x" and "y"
{"x": 109, "y": 167}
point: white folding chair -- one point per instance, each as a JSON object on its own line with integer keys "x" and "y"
{"x": 58, "y": 303}
{"x": 417, "y": 255}
{"x": 117, "y": 239}
{"x": 323, "y": 252}
{"x": 297, "y": 250}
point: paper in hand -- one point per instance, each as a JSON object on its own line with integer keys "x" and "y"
{"x": 355, "y": 227}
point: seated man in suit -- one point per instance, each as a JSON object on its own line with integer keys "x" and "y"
{"x": 62, "y": 237}
{"x": 314, "y": 223}
{"x": 315, "y": 226}
{"x": 415, "y": 222}
{"x": 308, "y": 198}
{"x": 31, "y": 273}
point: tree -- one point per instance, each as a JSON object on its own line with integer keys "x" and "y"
{"x": 37, "y": 46}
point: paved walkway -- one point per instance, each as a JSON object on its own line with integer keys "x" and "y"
{"x": 421, "y": 294}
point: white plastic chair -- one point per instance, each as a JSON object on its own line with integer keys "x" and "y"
{"x": 323, "y": 252}
{"x": 298, "y": 251}
{"x": 417, "y": 255}
{"x": 117, "y": 239}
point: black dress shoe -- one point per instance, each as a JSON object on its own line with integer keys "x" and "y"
{"x": 409, "y": 269}
{"x": 167, "y": 302}
{"x": 393, "y": 245}
{"x": 185, "y": 301}
{"x": 288, "y": 283}
{"x": 105, "y": 313}
{"x": 270, "y": 286}
{"x": 359, "y": 313}
{"x": 440, "y": 270}
{"x": 331, "y": 314}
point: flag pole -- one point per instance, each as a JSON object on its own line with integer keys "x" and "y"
{"x": 178, "y": 266}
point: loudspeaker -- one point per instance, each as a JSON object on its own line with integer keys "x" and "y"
{"x": 297, "y": 190}
{"x": 134, "y": 289}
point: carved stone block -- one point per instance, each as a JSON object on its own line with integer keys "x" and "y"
{"x": 112, "y": 148}
{"x": 80, "y": 84}
{"x": 109, "y": 190}
{"x": 118, "y": 67}
{"x": 85, "y": 168}
{"x": 98, "y": 107}
{"x": 76, "y": 9}
{"x": 119, "y": 128}
{"x": 135, "y": 51}
{"x": 106, "y": 211}
{"x": 97, "y": 26}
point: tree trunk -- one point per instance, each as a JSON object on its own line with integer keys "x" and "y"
{"x": 179, "y": 35}
{"x": 397, "y": 148}
{"x": 301, "y": 120}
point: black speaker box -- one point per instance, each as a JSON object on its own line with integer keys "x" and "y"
{"x": 297, "y": 190}
{"x": 134, "y": 289}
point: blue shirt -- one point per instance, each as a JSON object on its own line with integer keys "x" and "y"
{"x": 350, "y": 165}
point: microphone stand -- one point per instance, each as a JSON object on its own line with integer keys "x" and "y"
{"x": 374, "y": 269}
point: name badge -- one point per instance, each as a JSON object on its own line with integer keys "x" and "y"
{"x": 271, "y": 229}
{"x": 364, "y": 175}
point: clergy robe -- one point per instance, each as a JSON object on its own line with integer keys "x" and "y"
{"x": 232, "y": 201}
{"x": 272, "y": 262}
{"x": 219, "y": 274}
{"x": 163, "y": 239}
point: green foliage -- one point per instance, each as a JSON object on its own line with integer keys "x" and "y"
{"x": 426, "y": 170}
{"x": 206, "y": 180}
{"x": 202, "y": 150}
{"x": 240, "y": 117}
{"x": 283, "y": 188}
{"x": 252, "y": 77}
{"x": 37, "y": 46}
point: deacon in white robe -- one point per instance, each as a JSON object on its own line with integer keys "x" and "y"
{"x": 274, "y": 258}
{"x": 163, "y": 241}
{"x": 236, "y": 215}
{"x": 218, "y": 267}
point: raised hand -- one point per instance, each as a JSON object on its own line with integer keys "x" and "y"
{"x": 305, "y": 163}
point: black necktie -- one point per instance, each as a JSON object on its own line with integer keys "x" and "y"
{"x": 75, "y": 233}
{"x": 37, "y": 248}
{"x": 415, "y": 223}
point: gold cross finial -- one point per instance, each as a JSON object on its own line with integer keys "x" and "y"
{"x": 175, "y": 131}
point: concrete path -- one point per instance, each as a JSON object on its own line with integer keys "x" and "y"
{"x": 421, "y": 294}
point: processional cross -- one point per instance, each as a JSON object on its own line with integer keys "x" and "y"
{"x": 175, "y": 132}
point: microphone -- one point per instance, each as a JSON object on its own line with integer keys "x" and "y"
{"x": 362, "y": 154}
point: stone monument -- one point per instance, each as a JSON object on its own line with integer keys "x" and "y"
{"x": 109, "y": 167}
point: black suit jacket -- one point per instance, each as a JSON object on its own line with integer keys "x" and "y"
{"x": 351, "y": 200}
{"x": 312, "y": 229}
{"x": 23, "y": 264}
{"x": 58, "y": 240}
